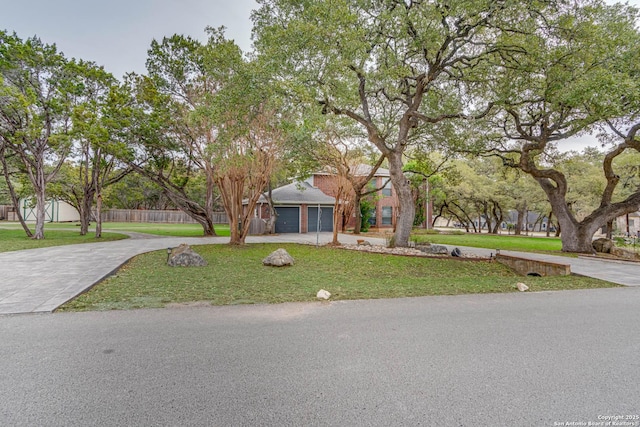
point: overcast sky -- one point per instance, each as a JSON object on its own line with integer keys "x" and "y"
{"x": 117, "y": 33}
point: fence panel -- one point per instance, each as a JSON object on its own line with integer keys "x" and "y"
{"x": 6, "y": 211}
{"x": 164, "y": 216}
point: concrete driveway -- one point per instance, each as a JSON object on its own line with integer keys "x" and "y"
{"x": 41, "y": 280}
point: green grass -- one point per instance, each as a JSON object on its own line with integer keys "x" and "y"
{"x": 179, "y": 230}
{"x": 235, "y": 275}
{"x": 160, "y": 229}
{"x": 16, "y": 239}
{"x": 492, "y": 241}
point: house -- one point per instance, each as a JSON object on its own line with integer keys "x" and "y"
{"x": 297, "y": 207}
{"x": 531, "y": 222}
{"x": 386, "y": 201}
{"x": 297, "y": 204}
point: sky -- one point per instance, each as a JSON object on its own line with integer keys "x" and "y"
{"x": 117, "y": 33}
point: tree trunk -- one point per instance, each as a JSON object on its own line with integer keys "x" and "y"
{"x": 337, "y": 219}
{"x": 15, "y": 201}
{"x": 99, "y": 216}
{"x": 610, "y": 229}
{"x": 356, "y": 207}
{"x": 273, "y": 214}
{"x": 210, "y": 184}
{"x": 522, "y": 210}
{"x": 194, "y": 211}
{"x": 39, "y": 187}
{"x": 85, "y": 211}
{"x": 498, "y": 216}
{"x": 229, "y": 189}
{"x": 549, "y": 222}
{"x": 407, "y": 209}
{"x": 576, "y": 236}
{"x": 467, "y": 219}
{"x": 40, "y": 213}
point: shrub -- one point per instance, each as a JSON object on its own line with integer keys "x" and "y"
{"x": 366, "y": 212}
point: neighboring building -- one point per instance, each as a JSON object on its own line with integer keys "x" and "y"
{"x": 634, "y": 224}
{"x": 532, "y": 222}
{"x": 297, "y": 204}
{"x": 54, "y": 211}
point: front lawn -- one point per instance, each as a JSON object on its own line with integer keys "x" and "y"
{"x": 16, "y": 239}
{"x": 162, "y": 229}
{"x": 235, "y": 275}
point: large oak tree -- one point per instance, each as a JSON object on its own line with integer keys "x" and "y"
{"x": 393, "y": 67}
{"x": 574, "y": 69}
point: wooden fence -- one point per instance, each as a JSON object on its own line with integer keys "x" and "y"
{"x": 166, "y": 216}
{"x": 7, "y": 212}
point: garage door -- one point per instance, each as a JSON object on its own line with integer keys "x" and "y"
{"x": 326, "y": 219}
{"x": 288, "y": 220}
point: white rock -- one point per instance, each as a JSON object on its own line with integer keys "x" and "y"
{"x": 522, "y": 287}
{"x": 322, "y": 294}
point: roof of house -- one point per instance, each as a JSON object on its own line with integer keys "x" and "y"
{"x": 359, "y": 170}
{"x": 297, "y": 193}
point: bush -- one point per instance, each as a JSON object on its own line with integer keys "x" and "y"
{"x": 366, "y": 212}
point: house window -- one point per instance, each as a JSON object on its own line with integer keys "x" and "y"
{"x": 387, "y": 215}
{"x": 386, "y": 190}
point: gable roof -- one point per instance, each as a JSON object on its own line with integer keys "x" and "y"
{"x": 297, "y": 193}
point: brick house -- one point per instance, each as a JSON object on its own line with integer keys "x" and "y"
{"x": 386, "y": 201}
{"x": 297, "y": 204}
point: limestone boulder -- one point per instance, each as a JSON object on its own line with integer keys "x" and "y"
{"x": 278, "y": 258}
{"x": 184, "y": 256}
{"x": 522, "y": 287}
{"x": 603, "y": 245}
{"x": 322, "y": 294}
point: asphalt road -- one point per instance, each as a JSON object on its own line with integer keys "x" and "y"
{"x": 515, "y": 359}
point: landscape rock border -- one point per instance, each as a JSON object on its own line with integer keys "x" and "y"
{"x": 412, "y": 252}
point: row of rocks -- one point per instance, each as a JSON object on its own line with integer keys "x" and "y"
{"x": 185, "y": 256}
{"x": 420, "y": 250}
